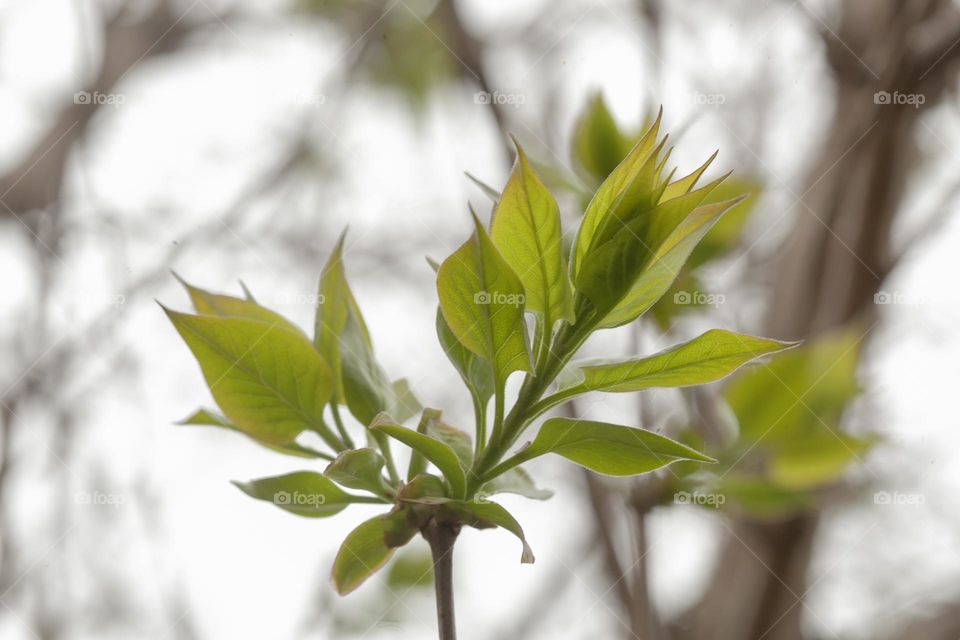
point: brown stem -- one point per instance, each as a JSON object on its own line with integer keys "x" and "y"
{"x": 441, "y": 537}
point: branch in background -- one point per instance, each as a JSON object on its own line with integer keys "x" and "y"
{"x": 128, "y": 41}
{"x": 469, "y": 51}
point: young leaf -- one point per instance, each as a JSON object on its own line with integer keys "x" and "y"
{"x": 304, "y": 493}
{"x": 359, "y": 469}
{"x": 814, "y": 459}
{"x": 488, "y": 191}
{"x": 476, "y": 371}
{"x": 425, "y": 488}
{"x": 363, "y": 553}
{"x": 526, "y": 230}
{"x": 663, "y": 267}
{"x": 516, "y": 481}
{"x": 206, "y": 417}
{"x": 453, "y": 437}
{"x": 485, "y": 515}
{"x": 798, "y": 393}
{"x": 686, "y": 183}
{"x": 610, "y": 449}
{"x": 269, "y": 382}
{"x": 216, "y": 304}
{"x": 334, "y": 304}
{"x": 437, "y": 452}
{"x": 598, "y": 145}
{"x": 404, "y": 403}
{"x": 342, "y": 337}
{"x": 708, "y": 357}
{"x": 622, "y": 243}
{"x": 482, "y": 300}
{"x": 612, "y": 192}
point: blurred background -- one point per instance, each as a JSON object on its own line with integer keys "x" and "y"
{"x": 235, "y": 141}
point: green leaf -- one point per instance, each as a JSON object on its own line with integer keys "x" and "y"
{"x": 363, "y": 553}
{"x": 685, "y": 184}
{"x": 488, "y": 191}
{"x": 598, "y": 145}
{"x": 359, "y": 469}
{"x": 341, "y": 335}
{"x": 404, "y": 403}
{"x": 205, "y": 417}
{"x": 815, "y": 458}
{"x": 453, "y": 437}
{"x": 482, "y": 300}
{"x": 476, "y": 371}
{"x": 486, "y": 515}
{"x": 526, "y": 230}
{"x": 400, "y": 525}
{"x": 424, "y": 488}
{"x": 623, "y": 242}
{"x": 271, "y": 383}
{"x": 437, "y": 452}
{"x": 797, "y": 393}
{"x": 761, "y": 498}
{"x": 304, "y": 493}
{"x": 516, "y": 481}
{"x": 727, "y": 233}
{"x": 708, "y": 357}
{"x": 662, "y": 268}
{"x": 607, "y": 448}
{"x": 216, "y": 304}
{"x": 613, "y": 192}
{"x": 367, "y": 390}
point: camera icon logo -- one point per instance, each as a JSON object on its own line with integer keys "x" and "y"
{"x": 682, "y": 297}
{"x": 281, "y": 497}
{"x": 481, "y": 297}
{"x": 882, "y": 297}
{"x": 882, "y": 97}
{"x": 82, "y": 97}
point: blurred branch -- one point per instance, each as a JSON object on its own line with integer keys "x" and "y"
{"x": 128, "y": 41}
{"x": 469, "y": 51}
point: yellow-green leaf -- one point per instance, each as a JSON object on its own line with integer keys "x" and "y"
{"x": 269, "y": 382}
{"x": 363, "y": 553}
{"x": 482, "y": 300}
{"x": 304, "y": 493}
{"x": 485, "y": 515}
{"x": 526, "y": 230}
{"x": 205, "y": 417}
{"x": 708, "y": 357}
{"x": 437, "y": 452}
{"x": 610, "y": 449}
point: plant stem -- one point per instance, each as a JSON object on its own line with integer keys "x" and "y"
{"x": 441, "y": 538}
{"x": 340, "y": 426}
{"x": 480, "y": 416}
